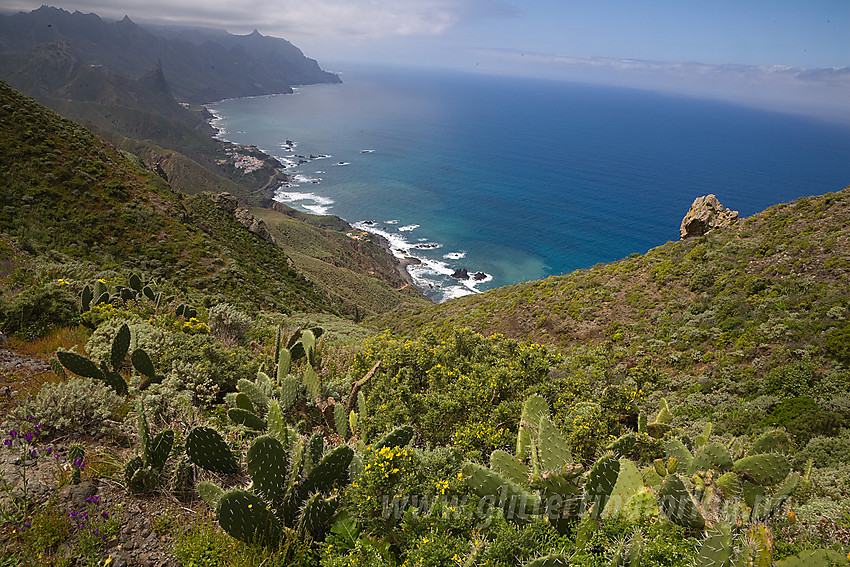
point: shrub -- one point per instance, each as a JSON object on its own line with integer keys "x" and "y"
{"x": 142, "y": 335}
{"x": 825, "y": 452}
{"x": 804, "y": 419}
{"x": 79, "y": 404}
{"x": 228, "y": 324}
{"x": 837, "y": 343}
{"x": 36, "y": 310}
{"x": 791, "y": 380}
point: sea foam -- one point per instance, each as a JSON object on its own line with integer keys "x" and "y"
{"x": 310, "y": 201}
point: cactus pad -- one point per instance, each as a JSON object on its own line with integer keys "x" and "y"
{"x": 556, "y": 560}
{"x": 509, "y": 466}
{"x": 208, "y": 450}
{"x": 120, "y": 346}
{"x": 288, "y": 391}
{"x": 259, "y": 400}
{"x": 79, "y": 365}
{"x": 674, "y": 448}
{"x": 277, "y": 425}
{"x": 676, "y": 503}
{"x": 210, "y": 493}
{"x": 765, "y": 469}
{"x": 250, "y": 420}
{"x": 712, "y": 456}
{"x": 600, "y": 483}
{"x": 268, "y": 464}
{"x": 771, "y": 442}
{"x": 316, "y": 515}
{"x": 398, "y": 437}
{"x": 534, "y": 408}
{"x": 142, "y": 362}
{"x": 716, "y": 550}
{"x": 159, "y": 449}
{"x": 502, "y": 492}
{"x": 341, "y": 420}
{"x": 248, "y": 518}
{"x": 552, "y": 446}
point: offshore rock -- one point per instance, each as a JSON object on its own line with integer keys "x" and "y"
{"x": 706, "y": 214}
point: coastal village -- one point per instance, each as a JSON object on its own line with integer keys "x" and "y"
{"x": 240, "y": 158}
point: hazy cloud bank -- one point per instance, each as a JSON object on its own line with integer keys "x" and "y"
{"x": 824, "y": 93}
{"x": 331, "y": 18}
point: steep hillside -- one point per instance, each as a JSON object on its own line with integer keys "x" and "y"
{"x": 360, "y": 277}
{"x": 66, "y": 192}
{"x": 220, "y": 66}
{"x": 738, "y": 310}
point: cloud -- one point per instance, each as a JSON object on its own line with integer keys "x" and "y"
{"x": 823, "y": 92}
{"x": 336, "y": 18}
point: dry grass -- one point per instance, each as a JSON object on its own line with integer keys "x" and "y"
{"x": 45, "y": 347}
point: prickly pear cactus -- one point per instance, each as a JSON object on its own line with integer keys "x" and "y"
{"x": 600, "y": 483}
{"x": 556, "y": 560}
{"x": 210, "y": 493}
{"x": 501, "y": 491}
{"x": 553, "y": 448}
{"x": 676, "y": 503}
{"x": 765, "y": 469}
{"x": 288, "y": 391}
{"x": 509, "y": 466}
{"x": 268, "y": 465}
{"x": 713, "y": 456}
{"x": 247, "y": 517}
{"x": 244, "y": 417}
{"x": 276, "y": 422}
{"x": 311, "y": 382}
{"x": 534, "y": 408}
{"x": 183, "y": 482}
{"x": 398, "y": 437}
{"x": 716, "y": 550}
{"x": 208, "y": 450}
{"x": 120, "y": 346}
{"x": 258, "y": 398}
{"x": 341, "y": 420}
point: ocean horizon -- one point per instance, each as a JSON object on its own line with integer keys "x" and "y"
{"x": 516, "y": 179}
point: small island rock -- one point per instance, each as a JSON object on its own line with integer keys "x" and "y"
{"x": 706, "y": 214}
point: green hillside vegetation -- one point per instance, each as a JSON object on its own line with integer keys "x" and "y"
{"x": 759, "y": 310}
{"x": 359, "y": 274}
{"x": 684, "y": 407}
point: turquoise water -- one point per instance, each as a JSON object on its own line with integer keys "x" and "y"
{"x": 518, "y": 179}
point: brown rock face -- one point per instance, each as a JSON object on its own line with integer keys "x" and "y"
{"x": 705, "y": 215}
{"x": 253, "y": 224}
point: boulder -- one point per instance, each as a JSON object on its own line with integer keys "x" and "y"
{"x": 253, "y": 224}
{"x": 706, "y": 214}
{"x": 226, "y": 202}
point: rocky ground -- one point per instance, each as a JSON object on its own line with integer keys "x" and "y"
{"x": 137, "y": 542}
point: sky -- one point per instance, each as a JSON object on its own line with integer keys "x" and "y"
{"x": 756, "y": 49}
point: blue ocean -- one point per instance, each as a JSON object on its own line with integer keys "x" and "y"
{"x": 517, "y": 179}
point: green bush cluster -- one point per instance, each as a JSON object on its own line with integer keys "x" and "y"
{"x": 77, "y": 404}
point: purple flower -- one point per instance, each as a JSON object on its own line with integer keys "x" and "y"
{"x": 28, "y": 436}
{"x": 72, "y": 514}
{"x": 30, "y": 417}
{"x": 13, "y": 433}
{"x": 105, "y": 515}
{"x": 49, "y": 451}
{"x": 95, "y": 531}
{"x": 33, "y": 453}
{"x": 8, "y": 442}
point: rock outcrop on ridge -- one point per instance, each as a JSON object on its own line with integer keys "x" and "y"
{"x": 706, "y": 214}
